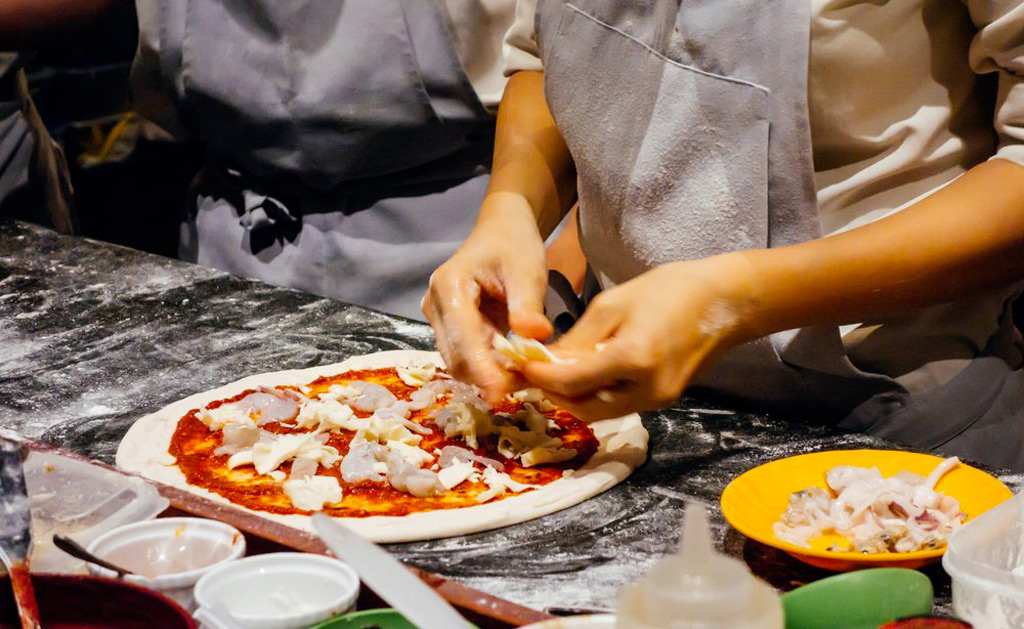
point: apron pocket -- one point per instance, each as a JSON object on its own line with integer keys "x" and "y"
{"x": 672, "y": 160}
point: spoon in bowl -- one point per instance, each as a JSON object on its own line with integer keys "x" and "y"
{"x": 78, "y": 551}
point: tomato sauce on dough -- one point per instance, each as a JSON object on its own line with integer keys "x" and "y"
{"x": 194, "y": 445}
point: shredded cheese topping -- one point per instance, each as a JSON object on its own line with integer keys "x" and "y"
{"x": 385, "y": 446}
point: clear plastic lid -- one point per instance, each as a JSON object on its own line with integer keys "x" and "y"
{"x": 989, "y": 550}
{"x": 82, "y": 500}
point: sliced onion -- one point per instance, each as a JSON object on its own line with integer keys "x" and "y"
{"x": 413, "y": 426}
{"x": 450, "y": 453}
{"x": 284, "y": 394}
{"x": 394, "y": 415}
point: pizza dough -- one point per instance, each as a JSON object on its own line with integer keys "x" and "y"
{"x": 623, "y": 447}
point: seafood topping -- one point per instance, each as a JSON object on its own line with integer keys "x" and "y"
{"x": 899, "y": 514}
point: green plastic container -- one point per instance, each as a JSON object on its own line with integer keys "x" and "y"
{"x": 368, "y": 619}
{"x": 859, "y": 600}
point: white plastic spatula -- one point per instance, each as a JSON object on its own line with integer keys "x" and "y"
{"x": 392, "y": 581}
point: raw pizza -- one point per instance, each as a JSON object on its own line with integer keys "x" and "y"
{"x": 389, "y": 442}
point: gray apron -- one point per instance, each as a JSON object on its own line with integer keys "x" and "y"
{"x": 347, "y": 150}
{"x": 710, "y": 152}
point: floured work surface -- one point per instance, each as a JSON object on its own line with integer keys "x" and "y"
{"x": 94, "y": 336}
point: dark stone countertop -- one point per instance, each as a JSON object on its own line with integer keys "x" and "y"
{"x": 93, "y": 336}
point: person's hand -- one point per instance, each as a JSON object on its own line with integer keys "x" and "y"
{"x": 638, "y": 345}
{"x": 493, "y": 283}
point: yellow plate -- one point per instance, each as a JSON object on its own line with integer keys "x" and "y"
{"x": 756, "y": 499}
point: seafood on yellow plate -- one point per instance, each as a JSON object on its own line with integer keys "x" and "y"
{"x": 901, "y": 513}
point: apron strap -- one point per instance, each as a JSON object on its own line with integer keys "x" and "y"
{"x": 49, "y": 167}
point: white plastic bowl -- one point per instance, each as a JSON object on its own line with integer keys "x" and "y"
{"x": 985, "y": 559}
{"x": 278, "y": 590}
{"x": 168, "y": 554}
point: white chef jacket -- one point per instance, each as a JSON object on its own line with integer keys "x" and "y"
{"x": 903, "y": 96}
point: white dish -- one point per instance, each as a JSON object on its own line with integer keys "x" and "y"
{"x": 278, "y": 590}
{"x": 168, "y": 554}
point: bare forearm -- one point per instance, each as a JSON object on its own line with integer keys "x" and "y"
{"x": 962, "y": 240}
{"x": 531, "y": 160}
{"x": 33, "y": 23}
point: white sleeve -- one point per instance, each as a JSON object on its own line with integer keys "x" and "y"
{"x": 999, "y": 47}
{"x": 520, "y": 45}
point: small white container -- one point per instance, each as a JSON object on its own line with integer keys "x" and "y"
{"x": 169, "y": 554}
{"x": 985, "y": 559}
{"x": 276, "y": 591}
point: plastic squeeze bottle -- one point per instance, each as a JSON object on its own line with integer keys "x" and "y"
{"x": 699, "y": 588}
